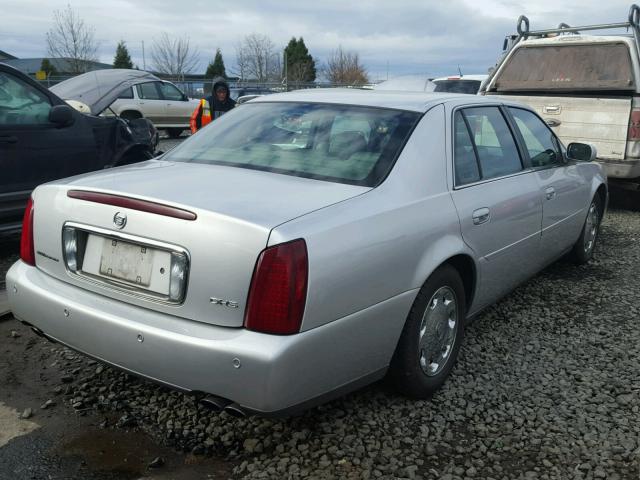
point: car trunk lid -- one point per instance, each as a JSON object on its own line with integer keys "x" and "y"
{"x": 235, "y": 211}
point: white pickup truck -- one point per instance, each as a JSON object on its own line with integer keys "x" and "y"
{"x": 586, "y": 87}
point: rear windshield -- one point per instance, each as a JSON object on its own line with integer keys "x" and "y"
{"x": 345, "y": 144}
{"x": 457, "y": 86}
{"x": 568, "y": 67}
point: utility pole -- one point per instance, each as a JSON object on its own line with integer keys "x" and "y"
{"x": 144, "y": 61}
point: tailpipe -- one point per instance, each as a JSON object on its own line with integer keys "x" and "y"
{"x": 217, "y": 404}
{"x": 235, "y": 410}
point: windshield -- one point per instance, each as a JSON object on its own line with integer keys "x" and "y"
{"x": 457, "y": 86}
{"x": 603, "y": 66}
{"x": 344, "y": 144}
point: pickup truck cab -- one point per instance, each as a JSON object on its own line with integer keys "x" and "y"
{"x": 586, "y": 87}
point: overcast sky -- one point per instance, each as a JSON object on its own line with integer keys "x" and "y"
{"x": 398, "y": 37}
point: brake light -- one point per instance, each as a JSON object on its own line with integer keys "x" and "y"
{"x": 278, "y": 289}
{"x": 27, "y": 252}
{"x": 633, "y": 134}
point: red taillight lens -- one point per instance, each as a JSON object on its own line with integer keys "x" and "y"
{"x": 633, "y": 135}
{"x": 27, "y": 253}
{"x": 278, "y": 289}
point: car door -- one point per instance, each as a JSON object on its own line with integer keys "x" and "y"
{"x": 497, "y": 200}
{"x": 151, "y": 102}
{"x": 178, "y": 107}
{"x": 563, "y": 190}
{"x": 32, "y": 149}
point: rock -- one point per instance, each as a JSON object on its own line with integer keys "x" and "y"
{"x": 66, "y": 378}
{"x": 26, "y": 413}
{"x": 126, "y": 421}
{"x": 15, "y": 334}
{"x": 156, "y": 462}
{"x": 47, "y": 404}
{"x": 250, "y": 444}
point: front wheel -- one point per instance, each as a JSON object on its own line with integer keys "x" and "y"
{"x": 582, "y": 250}
{"x": 431, "y": 338}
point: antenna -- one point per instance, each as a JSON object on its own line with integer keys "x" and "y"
{"x": 459, "y": 71}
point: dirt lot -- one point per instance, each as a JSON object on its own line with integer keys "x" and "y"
{"x": 547, "y": 386}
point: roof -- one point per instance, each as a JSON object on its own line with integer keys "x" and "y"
{"x": 6, "y": 56}
{"x": 401, "y": 100}
{"x": 32, "y": 65}
{"x": 476, "y": 77}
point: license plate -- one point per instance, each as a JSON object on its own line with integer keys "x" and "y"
{"x": 127, "y": 261}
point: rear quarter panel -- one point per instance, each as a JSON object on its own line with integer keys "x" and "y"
{"x": 384, "y": 242}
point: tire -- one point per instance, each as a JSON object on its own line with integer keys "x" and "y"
{"x": 418, "y": 368}
{"x": 174, "y": 132}
{"x": 582, "y": 250}
{"x": 130, "y": 115}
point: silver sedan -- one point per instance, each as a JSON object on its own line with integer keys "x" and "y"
{"x": 306, "y": 244}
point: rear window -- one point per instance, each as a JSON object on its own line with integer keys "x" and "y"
{"x": 568, "y": 67}
{"x": 457, "y": 86}
{"x": 344, "y": 144}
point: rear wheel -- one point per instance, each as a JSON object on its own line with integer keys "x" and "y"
{"x": 130, "y": 115}
{"x": 431, "y": 338}
{"x": 174, "y": 132}
{"x": 583, "y": 249}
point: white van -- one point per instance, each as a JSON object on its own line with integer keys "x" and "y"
{"x": 586, "y": 87}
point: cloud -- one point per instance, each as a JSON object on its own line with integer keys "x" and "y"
{"x": 410, "y": 36}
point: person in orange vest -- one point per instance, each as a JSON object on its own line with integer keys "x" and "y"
{"x": 212, "y": 107}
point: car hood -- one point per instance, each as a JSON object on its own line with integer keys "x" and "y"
{"x": 261, "y": 198}
{"x": 99, "y": 89}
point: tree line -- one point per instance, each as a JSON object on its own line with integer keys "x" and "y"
{"x": 257, "y": 56}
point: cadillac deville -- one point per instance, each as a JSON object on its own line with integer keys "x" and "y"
{"x": 306, "y": 244}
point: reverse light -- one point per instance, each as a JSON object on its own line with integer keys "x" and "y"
{"x": 278, "y": 289}
{"x": 70, "y": 248}
{"x": 27, "y": 251}
{"x": 177, "y": 276}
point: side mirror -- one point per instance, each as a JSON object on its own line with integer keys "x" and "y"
{"x": 583, "y": 152}
{"x": 61, "y": 115}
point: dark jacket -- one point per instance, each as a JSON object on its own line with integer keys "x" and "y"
{"x": 218, "y": 107}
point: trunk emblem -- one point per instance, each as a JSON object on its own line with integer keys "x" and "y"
{"x": 119, "y": 220}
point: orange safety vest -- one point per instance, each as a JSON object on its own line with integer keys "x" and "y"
{"x": 201, "y": 116}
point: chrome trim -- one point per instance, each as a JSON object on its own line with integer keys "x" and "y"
{"x": 121, "y": 287}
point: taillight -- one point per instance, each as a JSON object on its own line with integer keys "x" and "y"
{"x": 633, "y": 134}
{"x": 278, "y": 289}
{"x": 27, "y": 253}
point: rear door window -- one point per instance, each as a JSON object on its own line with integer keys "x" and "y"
{"x": 149, "y": 91}
{"x": 602, "y": 66}
{"x": 482, "y": 133}
{"x": 539, "y": 140}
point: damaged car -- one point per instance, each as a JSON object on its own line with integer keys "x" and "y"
{"x": 42, "y": 138}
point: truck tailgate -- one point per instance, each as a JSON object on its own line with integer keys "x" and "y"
{"x": 603, "y": 122}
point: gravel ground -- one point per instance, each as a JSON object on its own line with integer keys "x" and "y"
{"x": 547, "y": 386}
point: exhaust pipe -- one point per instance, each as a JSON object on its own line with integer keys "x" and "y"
{"x": 235, "y": 410}
{"x": 217, "y": 404}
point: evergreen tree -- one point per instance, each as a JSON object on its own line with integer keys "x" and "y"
{"x": 301, "y": 67}
{"x": 122, "y": 58}
{"x": 216, "y": 68}
{"x": 48, "y": 67}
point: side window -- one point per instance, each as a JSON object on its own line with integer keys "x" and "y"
{"x": 127, "y": 94}
{"x": 21, "y": 104}
{"x": 149, "y": 91}
{"x": 466, "y": 164}
{"x": 495, "y": 146}
{"x": 538, "y": 139}
{"x": 170, "y": 92}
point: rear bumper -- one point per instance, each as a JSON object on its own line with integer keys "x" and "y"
{"x": 627, "y": 168}
{"x": 275, "y": 373}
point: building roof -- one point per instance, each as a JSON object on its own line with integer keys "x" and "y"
{"x": 32, "y": 65}
{"x": 6, "y": 56}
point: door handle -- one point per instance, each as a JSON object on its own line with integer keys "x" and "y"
{"x": 550, "y": 193}
{"x": 481, "y": 215}
{"x": 9, "y": 139}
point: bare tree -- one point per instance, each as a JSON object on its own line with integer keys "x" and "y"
{"x": 257, "y": 59}
{"x": 72, "y": 39}
{"x": 344, "y": 68}
{"x": 173, "y": 56}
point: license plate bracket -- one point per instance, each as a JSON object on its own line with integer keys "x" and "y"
{"x": 127, "y": 262}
